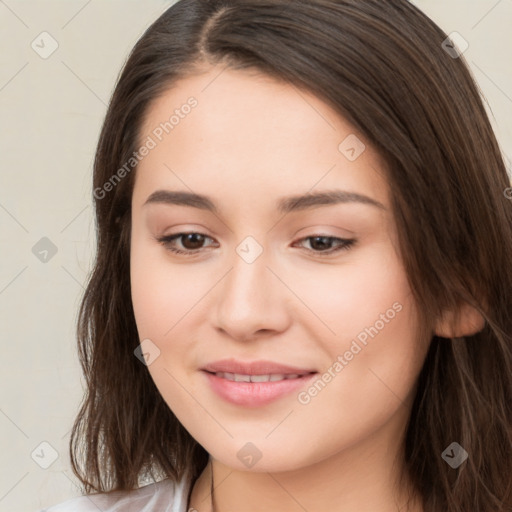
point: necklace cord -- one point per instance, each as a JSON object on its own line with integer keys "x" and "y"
{"x": 211, "y": 485}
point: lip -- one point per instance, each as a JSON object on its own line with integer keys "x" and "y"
{"x": 255, "y": 394}
{"x": 261, "y": 367}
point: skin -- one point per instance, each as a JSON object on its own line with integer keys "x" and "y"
{"x": 250, "y": 141}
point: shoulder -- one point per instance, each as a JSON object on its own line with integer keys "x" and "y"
{"x": 164, "y": 496}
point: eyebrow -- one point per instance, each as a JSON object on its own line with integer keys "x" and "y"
{"x": 284, "y": 205}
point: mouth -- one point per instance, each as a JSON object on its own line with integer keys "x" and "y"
{"x": 254, "y": 368}
{"x": 255, "y": 390}
{"x": 269, "y": 377}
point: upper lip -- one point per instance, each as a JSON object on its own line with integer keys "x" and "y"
{"x": 260, "y": 367}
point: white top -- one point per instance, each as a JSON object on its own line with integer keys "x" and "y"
{"x": 163, "y": 496}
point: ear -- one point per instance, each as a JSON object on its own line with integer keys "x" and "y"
{"x": 464, "y": 322}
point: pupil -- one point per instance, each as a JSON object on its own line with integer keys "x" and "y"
{"x": 321, "y": 245}
{"x": 194, "y": 238}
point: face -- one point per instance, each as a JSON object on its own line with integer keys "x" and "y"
{"x": 314, "y": 284}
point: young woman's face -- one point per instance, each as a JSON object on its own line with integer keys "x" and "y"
{"x": 316, "y": 284}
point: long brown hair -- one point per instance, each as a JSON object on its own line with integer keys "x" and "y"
{"x": 382, "y": 66}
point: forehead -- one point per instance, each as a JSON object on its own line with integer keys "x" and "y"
{"x": 249, "y": 132}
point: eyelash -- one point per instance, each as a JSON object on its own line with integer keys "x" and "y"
{"x": 345, "y": 244}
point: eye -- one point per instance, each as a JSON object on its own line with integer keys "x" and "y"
{"x": 192, "y": 243}
{"x": 321, "y": 241}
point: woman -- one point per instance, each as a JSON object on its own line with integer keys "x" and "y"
{"x": 302, "y": 291}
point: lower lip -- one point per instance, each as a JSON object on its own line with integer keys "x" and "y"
{"x": 255, "y": 394}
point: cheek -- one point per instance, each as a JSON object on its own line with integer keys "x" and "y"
{"x": 366, "y": 384}
{"x": 147, "y": 288}
{"x": 161, "y": 296}
{"x": 375, "y": 385}
{"x": 167, "y": 300}
{"x": 374, "y": 347}
{"x": 161, "y": 292}
{"x": 352, "y": 296}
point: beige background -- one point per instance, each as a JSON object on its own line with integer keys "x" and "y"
{"x": 51, "y": 111}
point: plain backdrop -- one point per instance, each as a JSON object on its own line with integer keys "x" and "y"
{"x": 51, "y": 110}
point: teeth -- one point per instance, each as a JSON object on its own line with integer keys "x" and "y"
{"x": 261, "y": 378}
{"x": 237, "y": 377}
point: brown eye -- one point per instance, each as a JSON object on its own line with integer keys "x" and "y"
{"x": 323, "y": 244}
{"x": 190, "y": 242}
{"x": 320, "y": 242}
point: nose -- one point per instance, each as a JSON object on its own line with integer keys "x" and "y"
{"x": 251, "y": 301}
